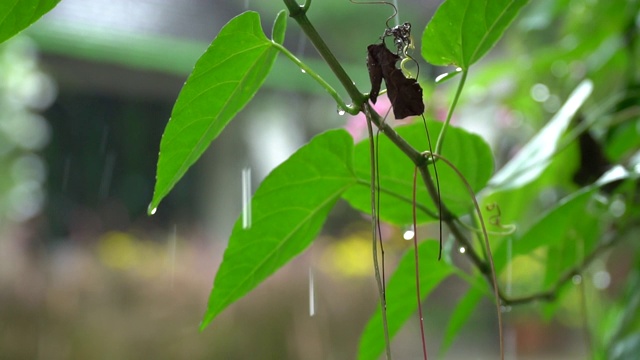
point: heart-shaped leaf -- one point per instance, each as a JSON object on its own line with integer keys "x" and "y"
{"x": 462, "y": 31}
{"x": 223, "y": 81}
{"x": 469, "y": 152}
{"x": 288, "y": 210}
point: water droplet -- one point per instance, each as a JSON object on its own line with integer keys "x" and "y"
{"x": 152, "y": 211}
{"x": 505, "y": 308}
{"x": 441, "y": 76}
{"x": 540, "y": 92}
{"x": 341, "y": 111}
{"x": 408, "y": 235}
{"x": 576, "y": 279}
{"x": 462, "y": 250}
{"x": 601, "y": 280}
{"x": 617, "y": 208}
{"x": 303, "y": 71}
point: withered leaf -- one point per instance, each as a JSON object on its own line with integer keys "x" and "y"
{"x": 405, "y": 94}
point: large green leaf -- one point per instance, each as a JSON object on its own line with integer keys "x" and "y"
{"x": 462, "y": 31}
{"x": 571, "y": 220}
{"x": 463, "y": 311}
{"x": 288, "y": 210}
{"x": 402, "y": 298}
{"x": 17, "y": 15}
{"x": 469, "y": 152}
{"x": 223, "y": 81}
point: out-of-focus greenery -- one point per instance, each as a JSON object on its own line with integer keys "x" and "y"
{"x": 24, "y": 91}
{"x": 564, "y": 238}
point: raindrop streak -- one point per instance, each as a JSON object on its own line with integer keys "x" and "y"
{"x": 510, "y": 266}
{"x": 312, "y": 294}
{"x": 107, "y": 174}
{"x": 302, "y": 44}
{"x": 397, "y": 17}
{"x": 65, "y": 173}
{"x": 173, "y": 240}
{"x": 511, "y": 343}
{"x": 246, "y": 198}
{"x": 105, "y": 137}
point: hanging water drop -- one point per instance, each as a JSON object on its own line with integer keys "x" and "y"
{"x": 576, "y": 279}
{"x": 462, "y": 250}
{"x": 601, "y": 280}
{"x": 152, "y": 211}
{"x": 341, "y": 111}
{"x": 303, "y": 71}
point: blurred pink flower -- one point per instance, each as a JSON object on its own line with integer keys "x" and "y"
{"x": 357, "y": 125}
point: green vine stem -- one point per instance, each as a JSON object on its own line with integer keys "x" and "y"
{"x": 454, "y": 103}
{"x": 299, "y": 14}
{"x": 334, "y": 94}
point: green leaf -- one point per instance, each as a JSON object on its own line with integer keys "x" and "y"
{"x": 17, "y": 15}
{"x": 462, "y": 31}
{"x": 223, "y": 81}
{"x": 551, "y": 228}
{"x": 288, "y": 210}
{"x": 535, "y": 156}
{"x": 401, "y": 296}
{"x": 571, "y": 219}
{"x": 469, "y": 152}
{"x": 463, "y": 311}
{"x": 279, "y": 27}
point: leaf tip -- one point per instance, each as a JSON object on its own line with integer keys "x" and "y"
{"x": 152, "y": 208}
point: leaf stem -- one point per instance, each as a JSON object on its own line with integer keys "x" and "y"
{"x": 334, "y": 94}
{"x": 299, "y": 14}
{"x": 417, "y": 261}
{"x": 374, "y": 226}
{"x": 454, "y": 103}
{"x": 492, "y": 275}
{"x": 399, "y": 197}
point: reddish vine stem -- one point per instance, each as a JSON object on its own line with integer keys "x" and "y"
{"x": 417, "y": 257}
{"x": 492, "y": 275}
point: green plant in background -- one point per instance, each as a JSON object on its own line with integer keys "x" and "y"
{"x": 24, "y": 90}
{"x": 564, "y": 203}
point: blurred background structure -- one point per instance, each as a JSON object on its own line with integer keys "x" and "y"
{"x": 85, "y": 94}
